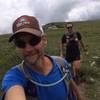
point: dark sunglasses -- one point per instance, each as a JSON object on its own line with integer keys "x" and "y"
{"x": 22, "y": 44}
{"x": 69, "y": 27}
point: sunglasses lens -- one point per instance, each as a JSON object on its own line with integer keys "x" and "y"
{"x": 20, "y": 43}
{"x": 34, "y": 41}
{"x": 69, "y": 27}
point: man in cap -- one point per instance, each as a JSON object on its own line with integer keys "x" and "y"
{"x": 70, "y": 49}
{"x": 37, "y": 77}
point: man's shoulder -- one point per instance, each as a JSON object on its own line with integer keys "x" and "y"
{"x": 13, "y": 73}
{"x": 59, "y": 58}
{"x": 11, "y": 70}
{"x": 64, "y": 35}
{"x": 78, "y": 33}
{"x": 79, "y": 36}
{"x": 60, "y": 61}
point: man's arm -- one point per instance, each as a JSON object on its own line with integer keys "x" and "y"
{"x": 75, "y": 88}
{"x": 15, "y": 93}
{"x": 84, "y": 47}
{"x": 62, "y": 49}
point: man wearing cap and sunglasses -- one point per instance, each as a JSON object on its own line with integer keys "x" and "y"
{"x": 70, "y": 49}
{"x": 38, "y": 77}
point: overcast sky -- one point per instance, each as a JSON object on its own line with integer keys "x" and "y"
{"x": 47, "y": 11}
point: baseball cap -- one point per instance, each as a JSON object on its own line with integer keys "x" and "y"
{"x": 26, "y": 24}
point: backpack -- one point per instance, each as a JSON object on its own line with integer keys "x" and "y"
{"x": 62, "y": 66}
{"x": 64, "y": 71}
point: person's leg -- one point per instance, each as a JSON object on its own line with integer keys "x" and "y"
{"x": 75, "y": 69}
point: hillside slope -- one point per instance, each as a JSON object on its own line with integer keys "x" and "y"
{"x": 90, "y": 69}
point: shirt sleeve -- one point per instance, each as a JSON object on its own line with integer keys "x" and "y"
{"x": 13, "y": 77}
{"x": 63, "y": 39}
{"x": 79, "y": 36}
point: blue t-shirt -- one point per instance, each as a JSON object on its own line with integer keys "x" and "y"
{"x": 57, "y": 92}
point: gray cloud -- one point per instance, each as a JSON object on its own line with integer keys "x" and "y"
{"x": 47, "y": 11}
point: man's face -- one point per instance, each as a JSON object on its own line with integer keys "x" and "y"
{"x": 70, "y": 29}
{"x": 30, "y": 47}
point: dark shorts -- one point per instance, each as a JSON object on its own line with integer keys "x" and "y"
{"x": 71, "y": 58}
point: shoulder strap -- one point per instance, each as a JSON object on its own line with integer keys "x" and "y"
{"x": 27, "y": 75}
{"x": 24, "y": 70}
{"x": 61, "y": 64}
{"x": 62, "y": 67}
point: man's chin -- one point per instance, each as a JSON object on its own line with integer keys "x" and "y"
{"x": 31, "y": 61}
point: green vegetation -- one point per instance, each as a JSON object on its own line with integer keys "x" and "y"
{"x": 90, "y": 68}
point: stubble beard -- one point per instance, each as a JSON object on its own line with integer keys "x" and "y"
{"x": 34, "y": 61}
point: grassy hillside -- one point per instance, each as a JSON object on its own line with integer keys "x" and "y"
{"x": 90, "y": 68}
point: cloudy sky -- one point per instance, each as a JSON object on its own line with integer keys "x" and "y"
{"x": 47, "y": 11}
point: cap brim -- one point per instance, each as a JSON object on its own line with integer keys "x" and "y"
{"x": 26, "y": 30}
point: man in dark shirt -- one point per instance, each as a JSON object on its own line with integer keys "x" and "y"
{"x": 70, "y": 48}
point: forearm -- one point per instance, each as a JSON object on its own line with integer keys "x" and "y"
{"x": 83, "y": 45}
{"x": 76, "y": 89}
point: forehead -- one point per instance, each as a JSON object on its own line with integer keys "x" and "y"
{"x": 24, "y": 36}
{"x": 69, "y": 25}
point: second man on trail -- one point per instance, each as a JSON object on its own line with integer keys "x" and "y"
{"x": 70, "y": 49}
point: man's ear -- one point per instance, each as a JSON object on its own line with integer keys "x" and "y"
{"x": 44, "y": 40}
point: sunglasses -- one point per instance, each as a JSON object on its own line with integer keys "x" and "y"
{"x": 69, "y": 27}
{"x": 22, "y": 43}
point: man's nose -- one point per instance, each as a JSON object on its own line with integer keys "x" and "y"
{"x": 28, "y": 47}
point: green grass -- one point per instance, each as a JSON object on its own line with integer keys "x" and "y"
{"x": 91, "y": 35}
